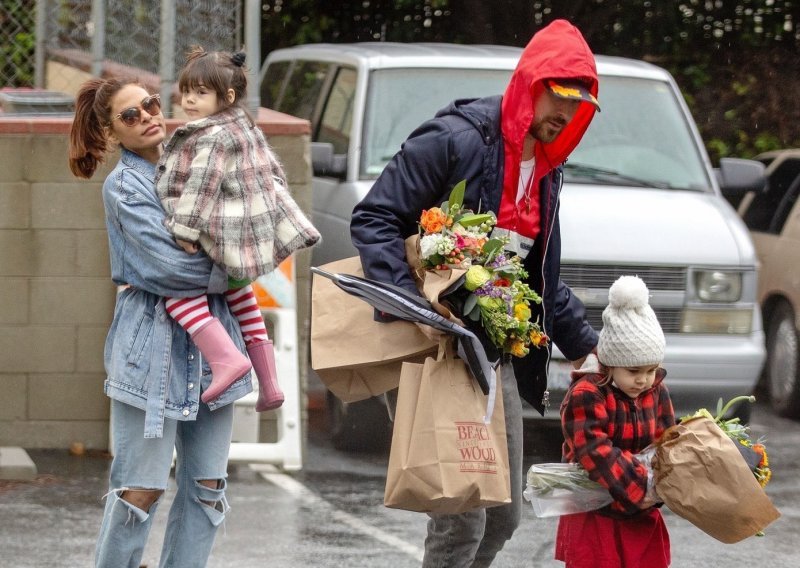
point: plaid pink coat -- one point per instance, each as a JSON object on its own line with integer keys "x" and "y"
{"x": 222, "y": 187}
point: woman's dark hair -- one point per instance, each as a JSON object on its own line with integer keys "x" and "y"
{"x": 88, "y": 139}
{"x": 217, "y": 70}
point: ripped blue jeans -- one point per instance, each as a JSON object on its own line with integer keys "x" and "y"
{"x": 144, "y": 464}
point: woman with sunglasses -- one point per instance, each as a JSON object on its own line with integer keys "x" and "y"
{"x": 225, "y": 192}
{"x": 154, "y": 373}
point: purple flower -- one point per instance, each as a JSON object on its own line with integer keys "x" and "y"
{"x": 499, "y": 260}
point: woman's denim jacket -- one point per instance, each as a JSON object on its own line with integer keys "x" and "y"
{"x": 150, "y": 361}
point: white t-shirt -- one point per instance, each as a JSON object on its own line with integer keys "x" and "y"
{"x": 519, "y": 244}
{"x": 525, "y": 173}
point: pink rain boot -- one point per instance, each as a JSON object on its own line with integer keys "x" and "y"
{"x": 270, "y": 396}
{"x": 227, "y": 363}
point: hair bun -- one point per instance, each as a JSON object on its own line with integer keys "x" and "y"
{"x": 238, "y": 58}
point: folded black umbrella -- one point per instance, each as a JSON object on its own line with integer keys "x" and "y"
{"x": 404, "y": 305}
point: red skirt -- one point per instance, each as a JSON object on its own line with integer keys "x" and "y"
{"x": 591, "y": 540}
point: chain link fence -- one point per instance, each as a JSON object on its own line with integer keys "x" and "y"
{"x": 17, "y": 43}
{"x": 54, "y": 44}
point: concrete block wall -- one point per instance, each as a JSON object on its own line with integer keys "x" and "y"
{"x": 58, "y": 298}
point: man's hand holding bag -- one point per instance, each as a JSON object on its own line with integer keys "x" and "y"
{"x": 444, "y": 458}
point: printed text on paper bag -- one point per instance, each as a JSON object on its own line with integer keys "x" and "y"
{"x": 475, "y": 446}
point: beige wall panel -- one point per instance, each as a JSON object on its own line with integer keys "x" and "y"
{"x": 67, "y": 397}
{"x": 14, "y": 301}
{"x": 13, "y": 154}
{"x": 15, "y": 395}
{"x": 47, "y": 159}
{"x": 37, "y": 349}
{"x": 72, "y": 300}
{"x": 17, "y": 255}
{"x": 91, "y": 340}
{"x": 15, "y": 205}
{"x": 92, "y": 253}
{"x": 67, "y": 205}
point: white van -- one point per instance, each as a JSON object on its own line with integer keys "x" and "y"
{"x": 640, "y": 197}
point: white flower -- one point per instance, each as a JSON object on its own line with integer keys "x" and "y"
{"x": 445, "y": 245}
{"x": 437, "y": 243}
{"x": 427, "y": 246}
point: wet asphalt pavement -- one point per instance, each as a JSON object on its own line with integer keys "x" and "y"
{"x": 331, "y": 514}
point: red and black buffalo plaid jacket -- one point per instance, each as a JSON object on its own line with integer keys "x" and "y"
{"x": 603, "y": 428}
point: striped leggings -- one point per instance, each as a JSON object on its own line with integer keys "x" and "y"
{"x": 192, "y": 313}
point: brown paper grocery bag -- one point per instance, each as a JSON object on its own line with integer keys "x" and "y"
{"x": 359, "y": 383}
{"x": 702, "y": 477}
{"x": 345, "y": 335}
{"x": 432, "y": 283}
{"x": 444, "y": 458}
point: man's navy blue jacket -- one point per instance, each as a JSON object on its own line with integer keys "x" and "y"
{"x": 464, "y": 142}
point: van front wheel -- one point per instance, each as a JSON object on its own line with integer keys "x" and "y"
{"x": 783, "y": 362}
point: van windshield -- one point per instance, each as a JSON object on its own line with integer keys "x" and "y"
{"x": 640, "y": 139}
{"x": 399, "y": 100}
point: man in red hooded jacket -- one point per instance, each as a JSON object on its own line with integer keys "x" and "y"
{"x": 509, "y": 150}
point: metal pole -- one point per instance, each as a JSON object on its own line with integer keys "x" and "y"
{"x": 98, "y": 36}
{"x": 252, "y": 41}
{"x": 41, "y": 46}
{"x": 166, "y": 56}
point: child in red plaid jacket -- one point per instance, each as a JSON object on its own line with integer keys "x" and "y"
{"x": 610, "y": 414}
{"x": 224, "y": 191}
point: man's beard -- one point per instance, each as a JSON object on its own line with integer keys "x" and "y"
{"x": 545, "y": 131}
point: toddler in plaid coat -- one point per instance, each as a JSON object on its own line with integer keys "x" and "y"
{"x": 224, "y": 191}
{"x": 610, "y": 414}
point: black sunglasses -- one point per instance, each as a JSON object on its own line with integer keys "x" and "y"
{"x": 132, "y": 116}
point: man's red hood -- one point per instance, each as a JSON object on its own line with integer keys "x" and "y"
{"x": 556, "y": 51}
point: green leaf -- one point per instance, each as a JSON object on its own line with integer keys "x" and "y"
{"x": 457, "y": 195}
{"x": 474, "y": 219}
{"x": 492, "y": 247}
{"x": 508, "y": 269}
{"x": 470, "y": 303}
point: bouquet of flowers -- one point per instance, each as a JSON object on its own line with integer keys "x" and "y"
{"x": 452, "y": 236}
{"x": 754, "y": 453}
{"x": 701, "y": 476}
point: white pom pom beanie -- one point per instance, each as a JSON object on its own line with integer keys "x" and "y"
{"x": 631, "y": 335}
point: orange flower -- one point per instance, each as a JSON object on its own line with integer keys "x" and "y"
{"x": 763, "y": 472}
{"x": 761, "y": 451}
{"x": 434, "y": 220}
{"x": 518, "y": 348}
{"x": 538, "y": 338}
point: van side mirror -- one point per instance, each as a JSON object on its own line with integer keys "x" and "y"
{"x": 737, "y": 176}
{"x": 325, "y": 163}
